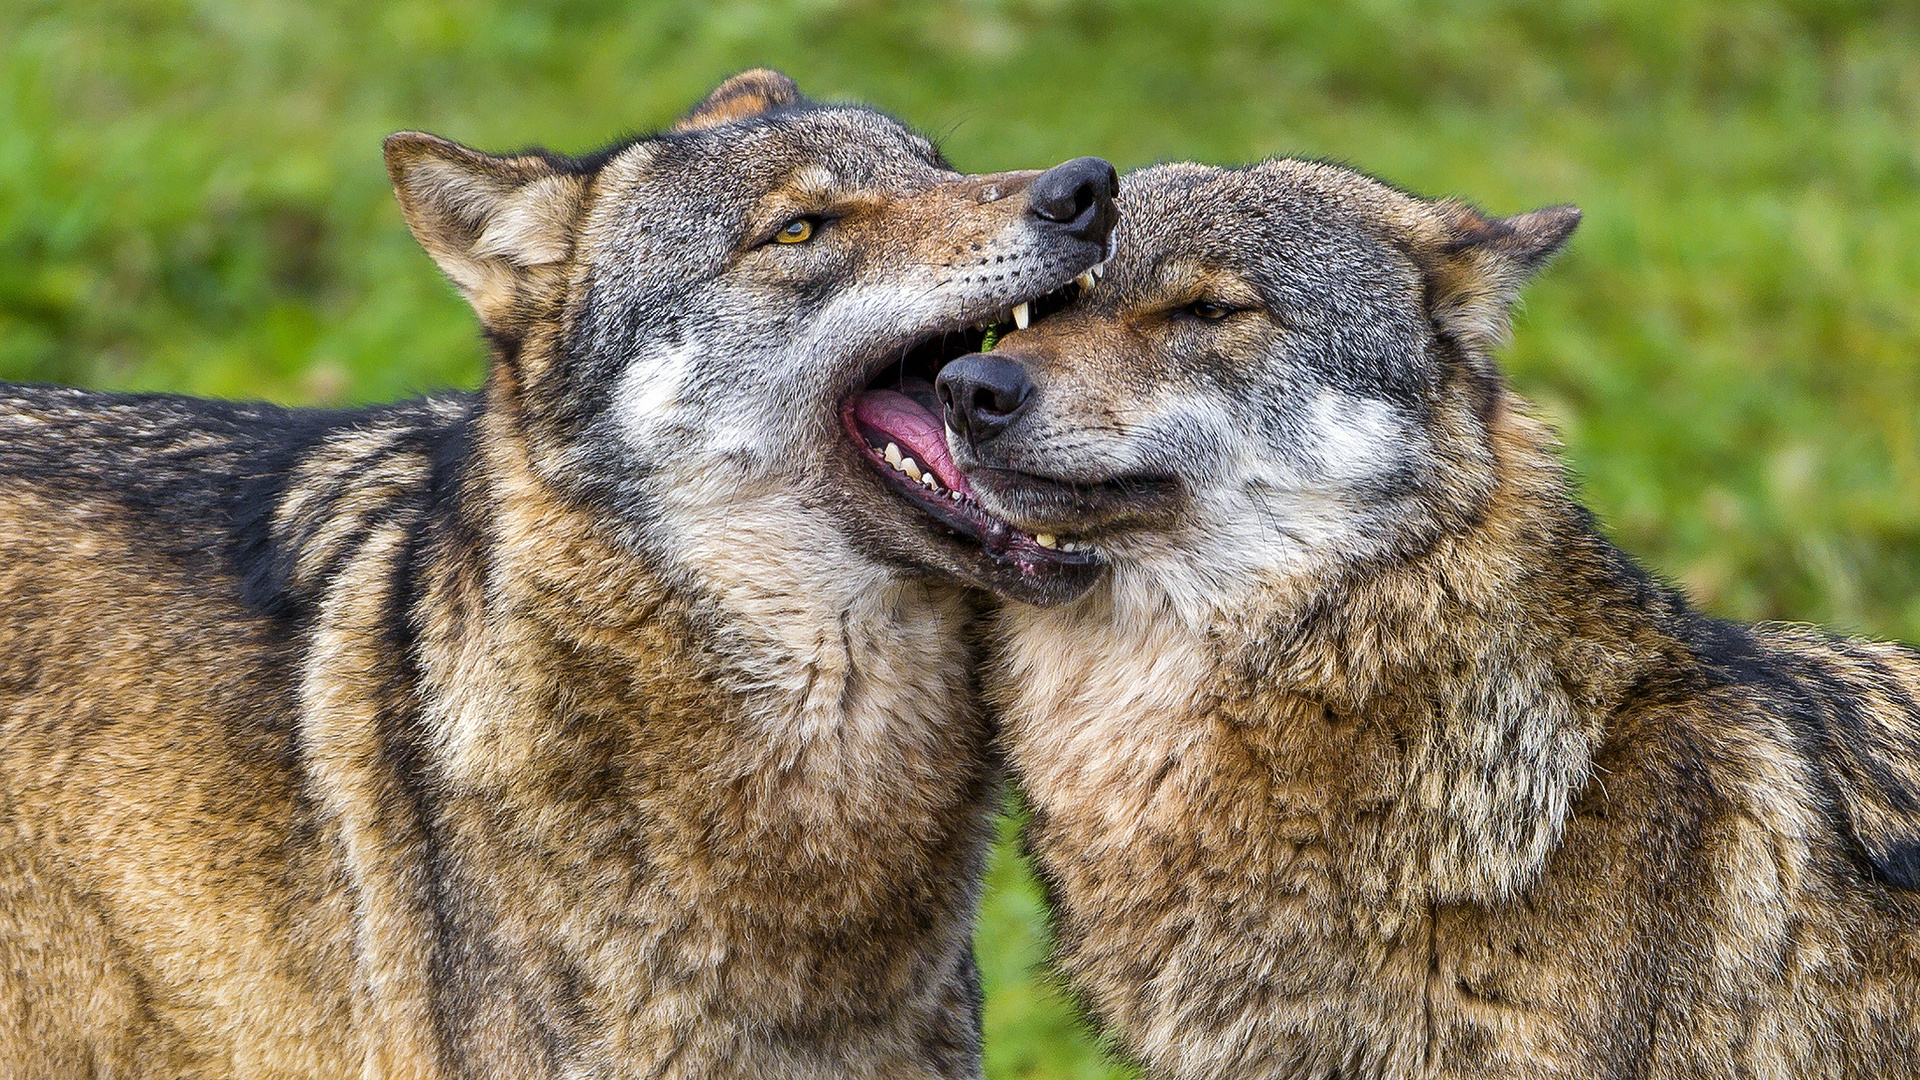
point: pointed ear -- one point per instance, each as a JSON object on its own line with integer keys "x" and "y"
{"x": 490, "y": 222}
{"x": 1477, "y": 265}
{"x": 746, "y": 94}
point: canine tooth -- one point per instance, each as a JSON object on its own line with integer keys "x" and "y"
{"x": 1098, "y": 269}
{"x": 892, "y": 455}
{"x": 1069, "y": 546}
{"x": 1046, "y": 540}
{"x": 1021, "y": 315}
{"x": 911, "y": 468}
{"x": 1085, "y": 280}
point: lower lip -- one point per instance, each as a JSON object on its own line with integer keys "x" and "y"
{"x": 997, "y": 538}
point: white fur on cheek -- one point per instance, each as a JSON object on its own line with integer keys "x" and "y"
{"x": 647, "y": 398}
{"x": 727, "y": 438}
{"x": 1268, "y": 511}
{"x": 1353, "y": 438}
{"x": 754, "y": 414}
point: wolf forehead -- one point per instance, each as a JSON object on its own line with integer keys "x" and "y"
{"x": 1304, "y": 234}
{"x": 687, "y": 200}
{"x": 1322, "y": 251}
{"x": 1363, "y": 284}
{"x": 827, "y": 146}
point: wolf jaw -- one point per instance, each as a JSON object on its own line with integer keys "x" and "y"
{"x": 894, "y": 421}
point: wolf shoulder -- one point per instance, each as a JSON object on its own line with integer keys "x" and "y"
{"x": 1850, "y": 710}
{"x": 233, "y": 496}
{"x": 159, "y": 557}
{"x": 148, "y": 719}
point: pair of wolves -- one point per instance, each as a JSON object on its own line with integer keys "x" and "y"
{"x": 619, "y": 720}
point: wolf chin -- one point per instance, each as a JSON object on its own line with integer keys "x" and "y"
{"x": 609, "y": 721}
{"x": 1369, "y": 756}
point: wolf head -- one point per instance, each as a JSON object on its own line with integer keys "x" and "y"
{"x": 705, "y": 333}
{"x": 1285, "y": 368}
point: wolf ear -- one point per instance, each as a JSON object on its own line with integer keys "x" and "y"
{"x": 490, "y": 222}
{"x": 1477, "y": 265}
{"x": 749, "y": 93}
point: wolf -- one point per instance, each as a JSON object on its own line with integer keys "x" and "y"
{"x": 615, "y": 720}
{"x": 1368, "y": 755}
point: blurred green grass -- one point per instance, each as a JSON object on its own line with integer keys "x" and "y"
{"x": 191, "y": 198}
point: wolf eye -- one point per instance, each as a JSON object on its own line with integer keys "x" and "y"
{"x": 797, "y": 231}
{"x": 1208, "y": 310}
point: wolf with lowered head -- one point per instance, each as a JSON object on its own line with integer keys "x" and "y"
{"x": 1369, "y": 756}
{"x": 606, "y": 722}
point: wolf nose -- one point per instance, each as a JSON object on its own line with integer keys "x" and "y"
{"x": 1079, "y": 196}
{"x": 981, "y": 394}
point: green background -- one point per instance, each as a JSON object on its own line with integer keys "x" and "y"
{"x": 191, "y": 198}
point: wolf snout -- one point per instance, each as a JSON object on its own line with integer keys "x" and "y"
{"x": 1077, "y": 196}
{"x": 982, "y": 394}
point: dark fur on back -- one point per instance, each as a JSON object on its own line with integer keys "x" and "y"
{"x": 1372, "y": 757}
{"x": 201, "y": 478}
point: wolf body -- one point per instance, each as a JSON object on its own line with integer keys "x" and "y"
{"x": 1369, "y": 756}
{"x": 604, "y": 722}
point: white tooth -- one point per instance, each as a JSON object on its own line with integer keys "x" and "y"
{"x": 892, "y": 455}
{"x": 1097, "y": 270}
{"x": 1021, "y": 316}
{"x": 1085, "y": 280}
{"x": 1046, "y": 540}
{"x": 1069, "y": 546}
{"x": 954, "y": 495}
{"x": 927, "y": 479}
{"x": 911, "y": 468}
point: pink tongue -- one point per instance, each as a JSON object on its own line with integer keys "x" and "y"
{"x": 920, "y": 434}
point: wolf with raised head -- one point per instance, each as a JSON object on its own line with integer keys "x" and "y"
{"x": 611, "y": 721}
{"x": 1368, "y": 756}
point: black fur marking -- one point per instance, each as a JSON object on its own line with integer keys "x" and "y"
{"x": 1822, "y": 711}
{"x": 196, "y": 476}
{"x": 1900, "y": 864}
{"x": 400, "y": 739}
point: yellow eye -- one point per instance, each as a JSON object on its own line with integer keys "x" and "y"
{"x": 1209, "y": 311}
{"x": 797, "y": 231}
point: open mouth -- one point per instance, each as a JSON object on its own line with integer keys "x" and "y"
{"x": 895, "y": 421}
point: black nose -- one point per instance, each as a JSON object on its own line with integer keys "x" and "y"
{"x": 981, "y": 394}
{"x": 1078, "y": 197}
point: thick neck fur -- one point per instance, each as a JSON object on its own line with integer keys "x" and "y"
{"x": 1434, "y": 714}
{"x": 742, "y": 799}
{"x": 1249, "y": 828}
{"x": 811, "y": 651}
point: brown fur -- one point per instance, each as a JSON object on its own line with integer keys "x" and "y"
{"x": 207, "y": 830}
{"x": 1468, "y": 795}
{"x": 402, "y": 744}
